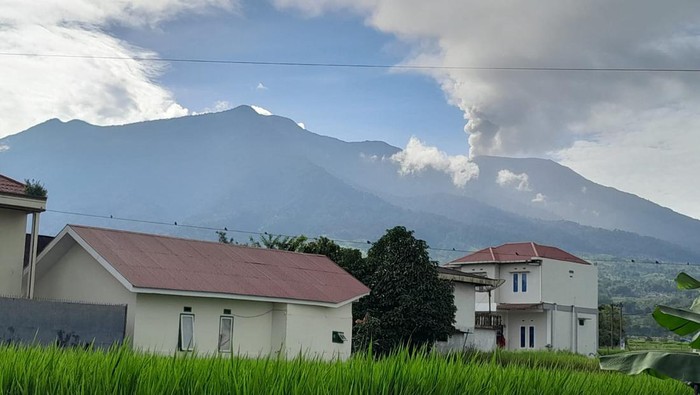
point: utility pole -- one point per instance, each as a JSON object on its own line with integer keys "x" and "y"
{"x": 621, "y": 321}
{"x": 612, "y": 323}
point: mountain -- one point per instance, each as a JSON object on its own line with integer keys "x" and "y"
{"x": 244, "y": 171}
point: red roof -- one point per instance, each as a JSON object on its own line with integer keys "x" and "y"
{"x": 160, "y": 262}
{"x": 8, "y": 185}
{"x": 518, "y": 252}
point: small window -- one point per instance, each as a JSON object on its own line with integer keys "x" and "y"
{"x": 581, "y": 321}
{"x": 186, "y": 340}
{"x": 227, "y": 311}
{"x": 339, "y": 337}
{"x": 515, "y": 282}
{"x": 523, "y": 277}
{"x": 187, "y": 309}
{"x": 522, "y": 337}
{"x": 225, "y": 333}
{"x": 532, "y": 337}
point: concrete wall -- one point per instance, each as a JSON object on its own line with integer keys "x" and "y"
{"x": 481, "y": 299}
{"x": 505, "y": 292}
{"x": 157, "y": 324}
{"x": 569, "y": 283}
{"x": 13, "y": 225}
{"x": 464, "y": 301}
{"x": 516, "y": 319}
{"x": 76, "y": 276}
{"x": 65, "y": 324}
{"x": 310, "y": 330}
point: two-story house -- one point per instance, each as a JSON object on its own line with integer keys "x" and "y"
{"x": 549, "y": 297}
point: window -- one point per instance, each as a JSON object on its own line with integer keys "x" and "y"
{"x": 339, "y": 337}
{"x": 527, "y": 337}
{"x": 186, "y": 340}
{"x": 522, "y": 337}
{"x": 532, "y": 337}
{"x": 225, "y": 333}
{"x": 523, "y": 277}
{"x": 515, "y": 282}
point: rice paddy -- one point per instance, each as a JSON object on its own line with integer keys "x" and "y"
{"x": 36, "y": 370}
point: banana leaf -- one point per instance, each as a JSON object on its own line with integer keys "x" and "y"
{"x": 683, "y": 366}
{"x": 684, "y": 281}
{"x": 680, "y": 321}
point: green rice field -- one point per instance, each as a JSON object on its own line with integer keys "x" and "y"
{"x": 36, "y": 370}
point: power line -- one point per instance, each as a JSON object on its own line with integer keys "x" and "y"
{"x": 342, "y": 241}
{"x": 359, "y": 65}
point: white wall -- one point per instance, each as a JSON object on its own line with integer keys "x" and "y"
{"x": 464, "y": 301}
{"x": 505, "y": 292}
{"x": 516, "y": 319}
{"x": 157, "y": 324}
{"x": 76, "y": 276}
{"x": 310, "y": 329}
{"x": 13, "y": 225}
{"x": 567, "y": 283}
{"x": 481, "y": 299}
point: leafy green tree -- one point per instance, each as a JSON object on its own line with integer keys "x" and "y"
{"x": 280, "y": 242}
{"x": 409, "y": 305}
{"x": 349, "y": 259}
{"x": 223, "y": 237}
{"x": 609, "y": 316}
{"x": 683, "y": 366}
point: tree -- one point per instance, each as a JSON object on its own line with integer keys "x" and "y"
{"x": 280, "y": 242}
{"x": 409, "y": 305}
{"x": 349, "y": 259}
{"x": 683, "y": 366}
{"x": 610, "y": 325}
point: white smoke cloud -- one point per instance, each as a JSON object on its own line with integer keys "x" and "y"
{"x": 506, "y": 178}
{"x": 301, "y": 125}
{"x": 417, "y": 157}
{"x": 99, "y": 91}
{"x": 568, "y": 115}
{"x": 4, "y": 147}
{"x": 539, "y": 198}
{"x": 261, "y": 87}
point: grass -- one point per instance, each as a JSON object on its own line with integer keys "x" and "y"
{"x": 30, "y": 370}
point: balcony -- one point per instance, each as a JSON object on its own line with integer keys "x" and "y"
{"x": 488, "y": 321}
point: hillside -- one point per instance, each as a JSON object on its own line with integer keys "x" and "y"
{"x": 264, "y": 173}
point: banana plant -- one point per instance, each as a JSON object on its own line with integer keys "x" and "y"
{"x": 678, "y": 365}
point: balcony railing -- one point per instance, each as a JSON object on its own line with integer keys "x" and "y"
{"x": 488, "y": 321}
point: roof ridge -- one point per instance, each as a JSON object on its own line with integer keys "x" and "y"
{"x": 534, "y": 249}
{"x": 187, "y": 239}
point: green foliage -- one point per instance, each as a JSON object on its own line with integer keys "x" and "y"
{"x": 280, "y": 242}
{"x": 412, "y": 305}
{"x": 610, "y": 325}
{"x": 223, "y": 238}
{"x": 35, "y": 370}
{"x": 682, "y": 366}
{"x": 34, "y": 188}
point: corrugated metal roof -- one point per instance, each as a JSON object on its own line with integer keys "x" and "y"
{"x": 161, "y": 262}
{"x": 513, "y": 252}
{"x": 8, "y": 185}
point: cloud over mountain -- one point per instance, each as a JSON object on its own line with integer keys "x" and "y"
{"x": 101, "y": 91}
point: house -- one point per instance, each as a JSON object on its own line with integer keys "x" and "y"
{"x": 15, "y": 206}
{"x": 549, "y": 297}
{"x": 468, "y": 334}
{"x": 187, "y": 295}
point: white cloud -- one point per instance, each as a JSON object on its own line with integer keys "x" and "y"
{"x": 539, "y": 198}
{"x": 566, "y": 114}
{"x": 261, "y": 87}
{"x": 507, "y": 178}
{"x": 4, "y": 147}
{"x": 219, "y": 106}
{"x": 416, "y": 157}
{"x": 99, "y": 91}
{"x": 584, "y": 189}
{"x": 261, "y": 111}
{"x": 301, "y": 125}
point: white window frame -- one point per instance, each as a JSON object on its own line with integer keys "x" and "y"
{"x": 181, "y": 334}
{"x": 523, "y": 282}
{"x": 229, "y": 347}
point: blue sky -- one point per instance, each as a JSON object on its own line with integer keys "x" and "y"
{"x": 637, "y": 132}
{"x": 350, "y": 104}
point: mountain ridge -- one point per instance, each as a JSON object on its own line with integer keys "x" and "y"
{"x": 265, "y": 173}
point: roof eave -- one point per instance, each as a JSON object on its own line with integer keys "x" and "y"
{"x": 253, "y": 298}
{"x": 29, "y": 204}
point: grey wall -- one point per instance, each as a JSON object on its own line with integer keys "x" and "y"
{"x": 66, "y": 324}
